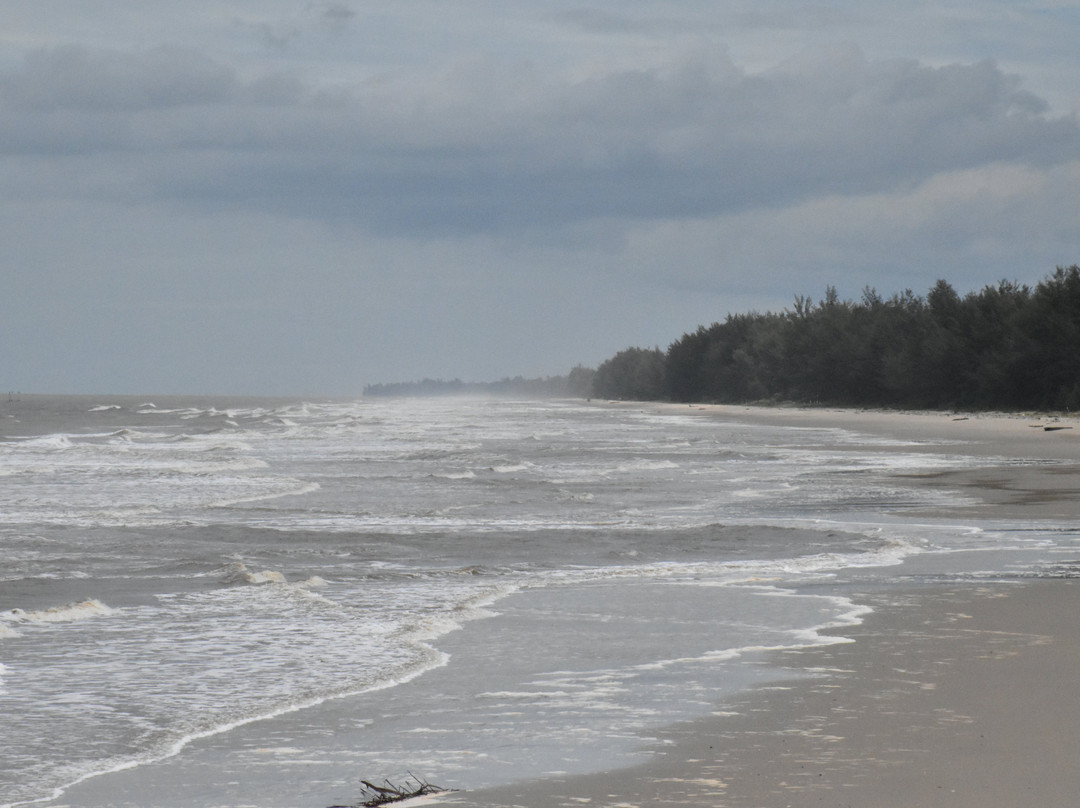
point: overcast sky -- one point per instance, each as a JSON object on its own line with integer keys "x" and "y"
{"x": 303, "y": 197}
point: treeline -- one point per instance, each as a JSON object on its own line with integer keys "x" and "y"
{"x": 576, "y": 384}
{"x": 1007, "y": 346}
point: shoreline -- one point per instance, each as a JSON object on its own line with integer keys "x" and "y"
{"x": 1030, "y": 473}
{"x": 952, "y": 695}
{"x": 933, "y": 704}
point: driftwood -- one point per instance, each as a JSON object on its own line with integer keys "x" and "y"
{"x": 374, "y": 795}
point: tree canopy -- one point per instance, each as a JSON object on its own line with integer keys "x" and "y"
{"x": 1007, "y": 346}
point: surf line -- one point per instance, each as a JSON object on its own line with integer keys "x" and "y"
{"x": 439, "y": 660}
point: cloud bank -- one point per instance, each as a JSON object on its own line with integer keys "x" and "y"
{"x": 485, "y": 147}
{"x": 281, "y": 201}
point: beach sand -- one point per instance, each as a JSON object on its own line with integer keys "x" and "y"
{"x": 950, "y": 695}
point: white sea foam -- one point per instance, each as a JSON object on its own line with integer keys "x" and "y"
{"x": 266, "y": 576}
{"x": 48, "y": 443}
{"x": 281, "y": 489}
{"x": 510, "y": 468}
{"x": 381, "y": 656}
{"x": 138, "y": 478}
{"x": 647, "y": 465}
{"x": 850, "y": 614}
{"x": 239, "y": 573}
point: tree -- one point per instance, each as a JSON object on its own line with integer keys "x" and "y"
{"x": 1006, "y": 346}
{"x": 635, "y": 374}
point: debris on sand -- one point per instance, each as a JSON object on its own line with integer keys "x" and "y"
{"x": 374, "y": 795}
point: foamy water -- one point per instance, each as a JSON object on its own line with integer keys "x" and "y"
{"x": 480, "y": 590}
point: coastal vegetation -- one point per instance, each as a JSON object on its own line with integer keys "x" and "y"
{"x": 1007, "y": 346}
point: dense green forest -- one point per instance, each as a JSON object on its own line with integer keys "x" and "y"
{"x": 1007, "y": 346}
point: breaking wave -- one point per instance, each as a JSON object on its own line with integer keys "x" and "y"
{"x": 69, "y": 613}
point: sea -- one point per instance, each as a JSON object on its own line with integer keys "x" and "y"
{"x": 262, "y": 602}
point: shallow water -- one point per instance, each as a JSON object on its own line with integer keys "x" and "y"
{"x": 249, "y": 602}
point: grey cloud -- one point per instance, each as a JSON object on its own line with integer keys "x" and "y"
{"x": 281, "y": 33}
{"x": 598, "y": 21}
{"x": 800, "y": 16}
{"x": 336, "y": 15}
{"x": 277, "y": 35}
{"x": 96, "y": 81}
{"x": 483, "y": 148}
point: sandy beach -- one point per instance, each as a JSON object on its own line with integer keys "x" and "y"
{"x": 574, "y": 665}
{"x": 953, "y": 696}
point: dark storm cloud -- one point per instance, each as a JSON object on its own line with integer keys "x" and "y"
{"x": 484, "y": 146}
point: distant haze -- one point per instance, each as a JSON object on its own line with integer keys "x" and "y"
{"x": 306, "y": 197}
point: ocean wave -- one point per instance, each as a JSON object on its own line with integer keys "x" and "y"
{"x": 266, "y": 577}
{"x": 299, "y": 488}
{"x": 68, "y": 613}
{"x": 237, "y": 573}
{"x": 56, "y": 443}
{"x": 510, "y": 468}
{"x": 215, "y": 441}
{"x": 138, "y": 435}
{"x": 531, "y": 695}
{"x": 647, "y": 465}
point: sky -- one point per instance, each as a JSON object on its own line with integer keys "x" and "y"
{"x": 300, "y": 198}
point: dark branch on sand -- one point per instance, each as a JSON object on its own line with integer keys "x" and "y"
{"x": 374, "y": 795}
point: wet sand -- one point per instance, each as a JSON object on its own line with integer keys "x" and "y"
{"x": 952, "y": 696}
{"x": 954, "y": 699}
{"x": 1032, "y": 466}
